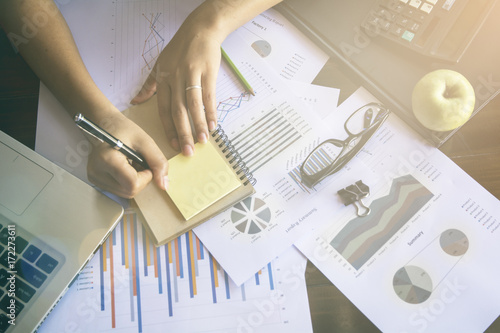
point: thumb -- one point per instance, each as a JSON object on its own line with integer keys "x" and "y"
{"x": 157, "y": 163}
{"x": 148, "y": 89}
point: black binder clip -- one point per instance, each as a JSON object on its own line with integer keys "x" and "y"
{"x": 353, "y": 194}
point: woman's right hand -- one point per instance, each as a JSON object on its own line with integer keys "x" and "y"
{"x": 110, "y": 170}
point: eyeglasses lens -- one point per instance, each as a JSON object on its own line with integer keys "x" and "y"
{"x": 322, "y": 158}
{"x": 362, "y": 119}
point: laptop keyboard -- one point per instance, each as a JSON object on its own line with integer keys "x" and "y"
{"x": 31, "y": 262}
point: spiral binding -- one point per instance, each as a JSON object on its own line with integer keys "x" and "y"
{"x": 232, "y": 156}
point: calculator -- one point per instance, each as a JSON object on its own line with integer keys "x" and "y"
{"x": 438, "y": 28}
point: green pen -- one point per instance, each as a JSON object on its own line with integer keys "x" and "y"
{"x": 237, "y": 72}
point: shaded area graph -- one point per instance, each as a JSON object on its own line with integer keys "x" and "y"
{"x": 362, "y": 237}
{"x": 251, "y": 215}
{"x": 231, "y": 104}
{"x": 154, "y": 42}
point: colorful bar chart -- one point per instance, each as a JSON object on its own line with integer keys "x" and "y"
{"x": 133, "y": 286}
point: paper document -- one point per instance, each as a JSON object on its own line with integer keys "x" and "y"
{"x": 321, "y": 100}
{"x": 429, "y": 247}
{"x": 131, "y": 286}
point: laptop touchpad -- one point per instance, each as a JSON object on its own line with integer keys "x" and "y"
{"x": 20, "y": 180}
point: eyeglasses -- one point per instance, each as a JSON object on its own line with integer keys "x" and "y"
{"x": 332, "y": 155}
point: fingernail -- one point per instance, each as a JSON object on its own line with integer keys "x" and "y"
{"x": 211, "y": 125}
{"x": 202, "y": 138}
{"x": 165, "y": 182}
{"x": 187, "y": 150}
{"x": 174, "y": 143}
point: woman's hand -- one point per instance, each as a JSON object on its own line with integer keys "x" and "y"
{"x": 110, "y": 170}
{"x": 185, "y": 74}
{"x": 184, "y": 78}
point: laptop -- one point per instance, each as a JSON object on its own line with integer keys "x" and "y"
{"x": 51, "y": 224}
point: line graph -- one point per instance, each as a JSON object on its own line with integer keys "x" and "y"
{"x": 230, "y": 104}
{"x": 232, "y": 98}
{"x": 154, "y": 42}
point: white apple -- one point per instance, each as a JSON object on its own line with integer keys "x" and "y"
{"x": 443, "y": 100}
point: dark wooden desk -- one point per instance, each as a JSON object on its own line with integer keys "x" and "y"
{"x": 475, "y": 148}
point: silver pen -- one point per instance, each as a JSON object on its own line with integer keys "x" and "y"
{"x": 103, "y": 136}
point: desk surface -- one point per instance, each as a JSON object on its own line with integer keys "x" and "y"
{"x": 475, "y": 148}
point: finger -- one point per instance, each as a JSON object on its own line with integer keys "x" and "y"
{"x": 164, "y": 109}
{"x": 148, "y": 89}
{"x": 209, "y": 81}
{"x": 194, "y": 101}
{"x": 108, "y": 183}
{"x": 156, "y": 161}
{"x": 181, "y": 120}
{"x": 111, "y": 171}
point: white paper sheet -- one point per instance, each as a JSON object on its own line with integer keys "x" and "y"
{"x": 321, "y": 100}
{"x": 425, "y": 260}
{"x": 131, "y": 286}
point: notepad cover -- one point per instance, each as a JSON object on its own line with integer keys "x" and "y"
{"x": 197, "y": 181}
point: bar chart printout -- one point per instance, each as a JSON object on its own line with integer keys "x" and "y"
{"x": 132, "y": 286}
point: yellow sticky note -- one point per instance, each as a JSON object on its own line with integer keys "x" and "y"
{"x": 196, "y": 182}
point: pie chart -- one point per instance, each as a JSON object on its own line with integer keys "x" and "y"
{"x": 251, "y": 215}
{"x": 412, "y": 284}
{"x": 454, "y": 242}
{"x": 262, "y": 47}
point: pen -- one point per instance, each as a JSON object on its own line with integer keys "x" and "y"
{"x": 103, "y": 136}
{"x": 247, "y": 86}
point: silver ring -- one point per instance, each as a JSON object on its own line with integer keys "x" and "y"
{"x": 193, "y": 87}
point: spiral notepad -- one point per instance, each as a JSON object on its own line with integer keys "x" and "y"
{"x": 198, "y": 181}
{"x": 165, "y": 218}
